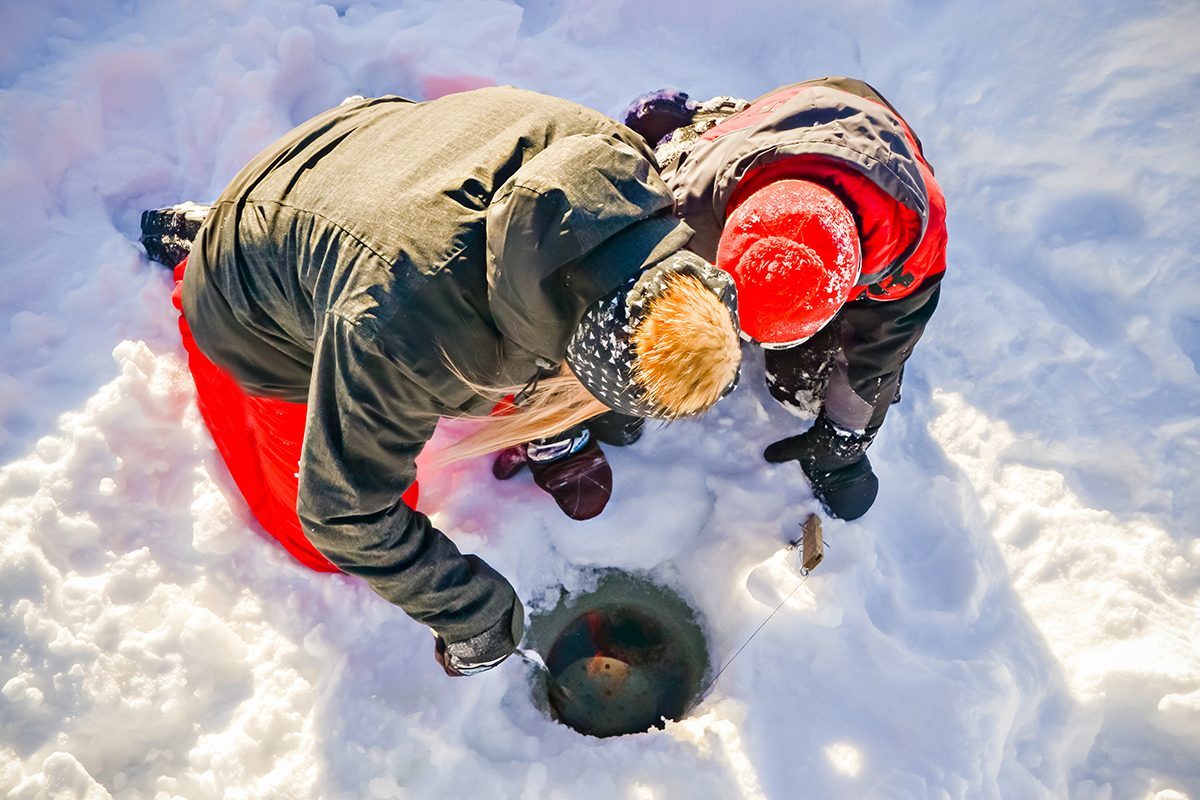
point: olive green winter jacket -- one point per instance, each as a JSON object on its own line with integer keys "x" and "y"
{"x": 378, "y": 252}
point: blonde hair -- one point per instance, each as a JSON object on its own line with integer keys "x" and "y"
{"x": 559, "y": 403}
{"x": 687, "y": 354}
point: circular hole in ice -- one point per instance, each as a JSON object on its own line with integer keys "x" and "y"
{"x": 622, "y": 659}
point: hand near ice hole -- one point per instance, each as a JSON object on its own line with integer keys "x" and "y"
{"x": 483, "y": 651}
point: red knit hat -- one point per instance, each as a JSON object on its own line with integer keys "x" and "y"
{"x": 792, "y": 248}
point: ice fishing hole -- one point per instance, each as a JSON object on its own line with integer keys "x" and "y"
{"x": 622, "y": 658}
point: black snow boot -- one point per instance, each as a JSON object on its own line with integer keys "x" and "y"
{"x": 616, "y": 429}
{"x": 167, "y": 233}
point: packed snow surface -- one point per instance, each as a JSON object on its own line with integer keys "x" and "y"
{"x": 1016, "y": 618}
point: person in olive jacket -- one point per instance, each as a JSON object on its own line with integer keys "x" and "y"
{"x": 390, "y": 263}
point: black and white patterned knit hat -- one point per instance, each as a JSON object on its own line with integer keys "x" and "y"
{"x": 601, "y": 351}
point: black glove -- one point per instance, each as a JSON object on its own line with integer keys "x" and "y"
{"x": 167, "y": 233}
{"x": 485, "y": 650}
{"x": 835, "y": 462}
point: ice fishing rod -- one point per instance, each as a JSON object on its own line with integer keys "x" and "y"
{"x": 534, "y": 658}
{"x": 812, "y": 551}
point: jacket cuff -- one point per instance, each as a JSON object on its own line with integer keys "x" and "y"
{"x": 492, "y": 645}
{"x": 832, "y": 447}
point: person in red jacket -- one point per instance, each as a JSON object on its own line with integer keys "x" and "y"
{"x": 818, "y": 199}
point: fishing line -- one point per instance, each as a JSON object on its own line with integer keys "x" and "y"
{"x": 721, "y": 671}
{"x": 811, "y": 545}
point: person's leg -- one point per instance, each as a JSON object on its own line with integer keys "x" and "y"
{"x": 797, "y": 376}
{"x": 259, "y": 440}
{"x": 879, "y": 339}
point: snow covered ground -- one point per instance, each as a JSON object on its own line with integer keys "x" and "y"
{"x": 1018, "y": 617}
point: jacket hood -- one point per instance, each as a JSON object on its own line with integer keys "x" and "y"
{"x": 578, "y": 220}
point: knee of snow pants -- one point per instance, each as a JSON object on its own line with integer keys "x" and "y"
{"x": 260, "y": 441}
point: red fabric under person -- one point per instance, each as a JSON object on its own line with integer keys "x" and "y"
{"x": 260, "y": 441}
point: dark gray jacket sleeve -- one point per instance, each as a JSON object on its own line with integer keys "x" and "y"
{"x": 366, "y": 424}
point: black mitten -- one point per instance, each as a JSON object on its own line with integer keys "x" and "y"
{"x": 835, "y": 462}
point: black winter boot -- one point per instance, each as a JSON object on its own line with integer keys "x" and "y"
{"x": 167, "y": 233}
{"x": 835, "y": 462}
{"x": 616, "y": 428}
